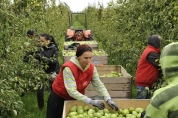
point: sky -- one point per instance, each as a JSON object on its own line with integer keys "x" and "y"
{"x": 79, "y": 5}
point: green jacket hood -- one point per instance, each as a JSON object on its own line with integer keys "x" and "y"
{"x": 169, "y": 61}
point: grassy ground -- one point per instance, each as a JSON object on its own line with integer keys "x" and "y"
{"x": 31, "y": 106}
{"x": 134, "y": 92}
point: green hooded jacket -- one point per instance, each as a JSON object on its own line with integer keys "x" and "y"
{"x": 164, "y": 103}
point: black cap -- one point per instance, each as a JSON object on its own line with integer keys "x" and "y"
{"x": 30, "y": 32}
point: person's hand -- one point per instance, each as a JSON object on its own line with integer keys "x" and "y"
{"x": 97, "y": 104}
{"x": 112, "y": 104}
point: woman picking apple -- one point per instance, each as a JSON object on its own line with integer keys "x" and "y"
{"x": 75, "y": 75}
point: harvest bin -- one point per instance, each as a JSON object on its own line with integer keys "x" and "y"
{"x": 118, "y": 87}
{"x": 96, "y": 59}
{"x": 122, "y": 103}
{"x": 92, "y": 44}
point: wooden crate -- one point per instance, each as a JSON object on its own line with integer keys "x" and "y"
{"x": 122, "y": 103}
{"x": 93, "y": 44}
{"x": 97, "y": 60}
{"x": 118, "y": 87}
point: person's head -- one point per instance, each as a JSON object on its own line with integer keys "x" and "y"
{"x": 31, "y": 33}
{"x": 84, "y": 54}
{"x": 155, "y": 41}
{"x": 47, "y": 39}
{"x": 169, "y": 60}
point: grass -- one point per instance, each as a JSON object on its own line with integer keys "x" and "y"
{"x": 134, "y": 92}
{"x": 31, "y": 107}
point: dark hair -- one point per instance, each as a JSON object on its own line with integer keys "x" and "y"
{"x": 50, "y": 38}
{"x": 30, "y": 32}
{"x": 82, "y": 48}
{"x": 154, "y": 40}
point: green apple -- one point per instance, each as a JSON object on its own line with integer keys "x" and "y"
{"x": 120, "y": 115}
{"x": 101, "y": 112}
{"x": 131, "y": 109}
{"x": 97, "y": 114}
{"x": 90, "y": 115}
{"x": 139, "y": 115}
{"x": 91, "y": 111}
{"x": 113, "y": 116}
{"x": 120, "y": 111}
{"x": 107, "y": 115}
{"x": 86, "y": 108}
{"x": 134, "y": 113}
{"x": 103, "y": 117}
{"x": 106, "y": 110}
{"x": 128, "y": 115}
{"x": 138, "y": 109}
{"x": 79, "y": 107}
{"x": 80, "y": 111}
{"x": 80, "y": 116}
{"x": 133, "y": 116}
{"x": 73, "y": 114}
{"x": 85, "y": 114}
{"x": 73, "y": 108}
{"x": 125, "y": 112}
{"x": 74, "y": 117}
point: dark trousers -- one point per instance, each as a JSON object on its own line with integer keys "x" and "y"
{"x": 40, "y": 95}
{"x": 54, "y": 106}
{"x": 142, "y": 93}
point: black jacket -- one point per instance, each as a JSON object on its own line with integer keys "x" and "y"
{"x": 48, "y": 56}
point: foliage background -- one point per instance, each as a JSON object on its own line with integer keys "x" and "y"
{"x": 121, "y": 30}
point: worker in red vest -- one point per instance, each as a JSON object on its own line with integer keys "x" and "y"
{"x": 75, "y": 75}
{"x": 148, "y": 68}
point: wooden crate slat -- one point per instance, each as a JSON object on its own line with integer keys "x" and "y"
{"x": 97, "y": 60}
{"x": 124, "y": 80}
{"x": 115, "y": 94}
{"x": 108, "y": 68}
{"x": 111, "y": 87}
{"x": 94, "y": 45}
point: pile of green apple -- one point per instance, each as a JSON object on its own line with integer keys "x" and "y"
{"x": 86, "y": 112}
{"x": 112, "y": 74}
{"x": 95, "y": 53}
{"x": 81, "y": 42}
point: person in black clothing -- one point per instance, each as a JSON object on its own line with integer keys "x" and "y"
{"x": 47, "y": 54}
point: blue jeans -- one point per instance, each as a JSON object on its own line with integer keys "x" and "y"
{"x": 142, "y": 93}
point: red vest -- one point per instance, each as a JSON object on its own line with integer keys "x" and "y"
{"x": 82, "y": 80}
{"x": 146, "y": 73}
